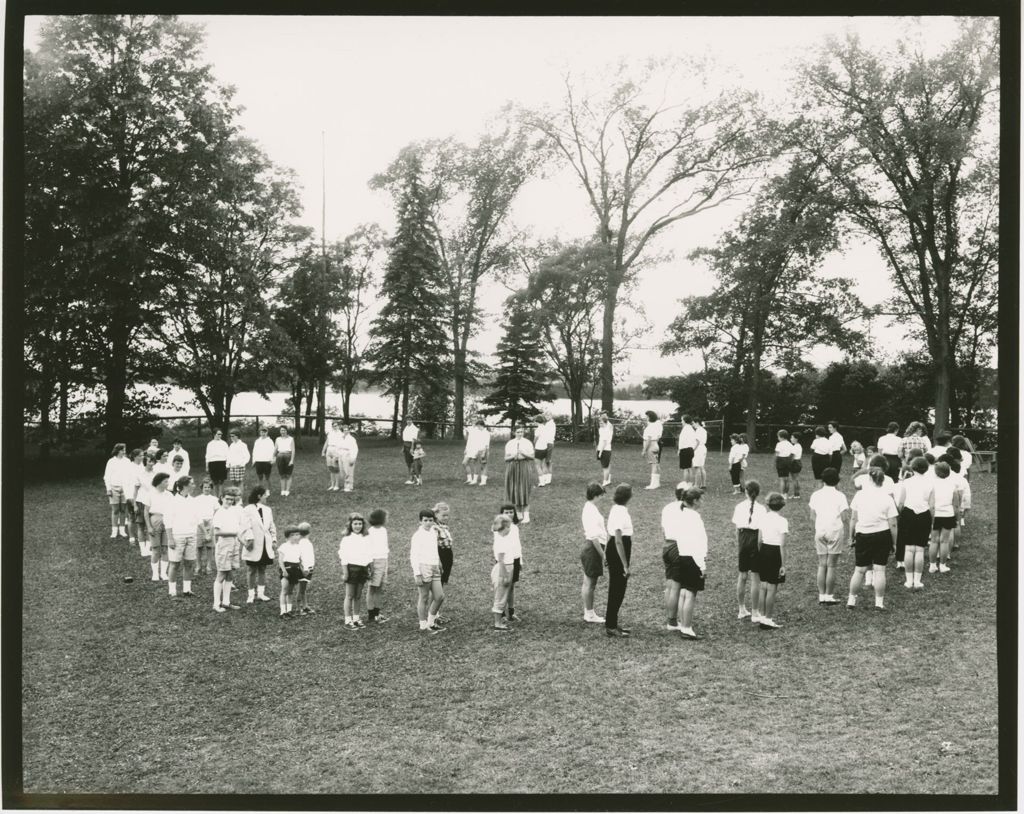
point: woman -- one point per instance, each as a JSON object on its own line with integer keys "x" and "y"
{"x": 519, "y": 474}
{"x": 693, "y": 550}
{"x": 604, "y": 448}
{"x": 217, "y": 462}
{"x": 618, "y": 552}
{"x": 263, "y": 457}
{"x": 238, "y": 460}
{"x": 259, "y": 551}
{"x": 874, "y": 522}
{"x": 284, "y": 452}
{"x": 914, "y": 444}
{"x": 592, "y": 555}
{"x": 838, "y": 446}
{"x": 889, "y": 446}
{"x": 331, "y": 453}
{"x": 821, "y": 454}
{"x": 651, "y": 451}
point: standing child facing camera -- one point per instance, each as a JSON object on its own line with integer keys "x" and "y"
{"x": 356, "y": 562}
{"x": 426, "y": 571}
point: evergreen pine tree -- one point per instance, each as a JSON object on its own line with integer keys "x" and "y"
{"x": 523, "y": 374}
{"x": 410, "y": 348}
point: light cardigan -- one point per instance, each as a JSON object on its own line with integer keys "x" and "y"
{"x": 238, "y": 454}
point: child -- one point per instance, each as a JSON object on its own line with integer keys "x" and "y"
{"x": 771, "y": 560}
{"x": 796, "y": 466}
{"x": 178, "y": 450}
{"x": 915, "y": 500}
{"x": 859, "y": 456}
{"x": 700, "y": 455}
{"x": 963, "y": 488}
{"x": 118, "y": 474}
{"x": 229, "y": 527}
{"x": 157, "y": 513}
{"x": 182, "y": 541}
{"x": 133, "y": 511}
{"x": 289, "y": 564}
{"x": 418, "y": 453}
{"x": 783, "y": 456}
{"x": 207, "y": 505}
{"x": 746, "y": 517}
{"x": 284, "y": 452}
{"x": 830, "y": 513}
{"x": 821, "y": 453}
{"x": 592, "y": 555}
{"x": 745, "y": 450}
{"x": 142, "y": 498}
{"x": 620, "y": 543}
{"x": 501, "y": 573}
{"x": 356, "y": 561}
{"x": 426, "y": 572}
{"x": 693, "y": 550}
{"x": 378, "y": 539}
{"x": 263, "y": 457}
{"x": 515, "y": 559}
{"x": 307, "y": 559}
{"x": 874, "y": 524}
{"x": 735, "y": 463}
{"x": 961, "y": 443}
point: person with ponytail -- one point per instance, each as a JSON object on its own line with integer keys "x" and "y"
{"x": 747, "y": 517}
{"x": 693, "y": 552}
{"x": 874, "y": 522}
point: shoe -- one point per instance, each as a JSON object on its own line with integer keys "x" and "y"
{"x": 113, "y": 533}
{"x": 440, "y": 623}
{"x": 593, "y": 618}
{"x": 755, "y": 618}
{"x": 831, "y": 600}
{"x": 908, "y": 584}
{"x": 515, "y": 617}
{"x": 769, "y": 624}
{"x": 944, "y": 569}
{"x": 933, "y": 568}
{"x": 901, "y": 566}
{"x": 652, "y": 486}
{"x": 743, "y": 614}
{"x": 189, "y": 594}
{"x": 441, "y": 619}
{"x": 231, "y": 607}
{"x": 692, "y": 636}
{"x": 360, "y": 623}
{"x": 220, "y": 609}
{"x": 309, "y": 611}
{"x": 431, "y": 631}
{"x": 504, "y": 628}
{"x": 956, "y": 546}
{"x": 249, "y": 600}
{"x": 288, "y": 615}
{"x": 351, "y": 626}
{"x": 435, "y": 628}
{"x": 264, "y": 599}
{"x": 380, "y": 620}
{"x": 673, "y": 628}
{"x": 304, "y": 612}
{"x": 410, "y": 482}
{"x": 155, "y": 579}
{"x": 615, "y": 633}
{"x": 918, "y": 586}
{"x": 349, "y": 489}
{"x": 881, "y": 608}
{"x": 850, "y": 607}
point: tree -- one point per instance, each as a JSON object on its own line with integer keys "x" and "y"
{"x": 120, "y": 115}
{"x": 908, "y": 141}
{"x": 409, "y": 346}
{"x": 650, "y": 152}
{"x": 769, "y": 306}
{"x": 522, "y": 378}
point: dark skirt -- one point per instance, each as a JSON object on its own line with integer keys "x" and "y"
{"x": 691, "y": 577}
{"x": 519, "y": 480}
{"x": 284, "y": 465}
{"x": 218, "y": 471}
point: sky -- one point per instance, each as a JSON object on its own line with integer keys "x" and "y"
{"x": 367, "y": 86}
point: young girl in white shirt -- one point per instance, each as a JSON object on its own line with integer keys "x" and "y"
{"x": 735, "y": 463}
{"x": 821, "y": 454}
{"x": 874, "y": 522}
{"x": 501, "y": 573}
{"x": 284, "y": 453}
{"x": 746, "y": 517}
{"x": 118, "y": 474}
{"x": 604, "y": 448}
{"x": 515, "y": 548}
{"x": 618, "y": 551}
{"x": 700, "y": 455}
{"x": 859, "y": 456}
{"x": 651, "y": 451}
{"x": 693, "y": 551}
{"x": 426, "y": 571}
{"x": 592, "y": 555}
{"x": 381, "y": 551}
{"x": 783, "y": 457}
{"x": 771, "y": 559}
{"x": 915, "y": 501}
{"x": 207, "y": 505}
{"x": 356, "y": 562}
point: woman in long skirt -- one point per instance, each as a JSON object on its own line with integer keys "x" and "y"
{"x": 519, "y": 474}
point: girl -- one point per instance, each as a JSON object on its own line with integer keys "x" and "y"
{"x": 163, "y": 464}
{"x": 859, "y": 456}
{"x": 745, "y": 449}
{"x": 515, "y": 559}
{"x": 914, "y": 443}
{"x": 176, "y": 450}
{"x": 263, "y": 457}
{"x": 238, "y": 460}
{"x": 229, "y": 527}
{"x": 830, "y": 514}
{"x": 783, "y": 456}
{"x": 331, "y": 454}
{"x": 216, "y": 462}
{"x": 592, "y": 554}
{"x": 418, "y": 454}
{"x": 378, "y": 540}
{"x": 142, "y": 499}
{"x": 735, "y": 463}
{"x": 838, "y": 446}
{"x": 693, "y": 550}
{"x": 118, "y": 477}
{"x": 519, "y": 474}
{"x": 207, "y": 505}
{"x": 796, "y": 466}
{"x": 915, "y": 501}
{"x": 946, "y": 519}
{"x": 284, "y": 452}
{"x": 960, "y": 442}
{"x": 183, "y": 539}
{"x": 259, "y": 551}
{"x": 821, "y": 454}
{"x": 347, "y": 458}
{"x": 307, "y": 561}
{"x": 604, "y": 448}
{"x": 747, "y": 517}
{"x": 687, "y": 445}
{"x": 356, "y": 561}
{"x": 620, "y": 544}
{"x": 445, "y": 553}
{"x": 889, "y": 446}
{"x": 771, "y": 559}
{"x": 874, "y": 523}
{"x": 157, "y": 515}
{"x": 426, "y": 572}
{"x": 133, "y": 509}
{"x": 501, "y": 573}
{"x": 700, "y": 455}
{"x": 651, "y": 451}
{"x": 290, "y": 570}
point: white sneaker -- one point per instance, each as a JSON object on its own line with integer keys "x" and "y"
{"x": 908, "y": 584}
{"x": 932, "y": 568}
{"x": 944, "y": 569}
{"x": 743, "y": 614}
{"x": 594, "y": 618}
{"x": 113, "y": 533}
{"x": 650, "y": 486}
{"x": 765, "y": 622}
{"x": 755, "y": 617}
{"x": 674, "y": 628}
{"x": 410, "y": 482}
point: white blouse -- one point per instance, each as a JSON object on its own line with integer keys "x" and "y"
{"x": 593, "y": 523}
{"x": 519, "y": 447}
{"x": 618, "y": 518}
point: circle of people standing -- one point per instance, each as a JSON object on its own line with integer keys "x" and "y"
{"x": 911, "y": 501}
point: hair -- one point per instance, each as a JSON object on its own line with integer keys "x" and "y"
{"x": 913, "y": 427}
{"x": 159, "y": 478}
{"x": 930, "y": 458}
{"x": 835, "y": 424}
{"x": 877, "y": 475}
{"x": 594, "y": 490}
{"x": 181, "y": 483}
{"x": 479, "y": 421}
{"x": 234, "y": 433}
{"x": 743, "y": 438}
{"x": 441, "y": 505}
{"x": 623, "y": 492}
{"x": 919, "y": 464}
{"x": 117, "y": 448}
{"x": 500, "y": 521}
{"x": 256, "y": 493}
{"x": 954, "y": 464}
{"x": 357, "y": 516}
{"x": 515, "y": 515}
{"x": 776, "y": 502}
{"x": 942, "y": 439}
{"x": 378, "y": 517}
{"x": 959, "y": 441}
{"x": 691, "y": 496}
{"x": 942, "y": 469}
{"x": 160, "y": 453}
{"x": 264, "y": 428}
{"x": 830, "y": 476}
{"x": 893, "y": 427}
{"x": 651, "y": 415}
{"x": 872, "y": 450}
{"x": 782, "y": 435}
{"x": 687, "y": 419}
{"x": 954, "y": 453}
{"x": 856, "y": 446}
{"x": 681, "y": 487}
{"x": 753, "y": 489}
{"x": 821, "y": 431}
{"x": 427, "y": 514}
{"x": 878, "y": 460}
{"x": 734, "y": 438}
{"x": 135, "y": 453}
{"x": 234, "y": 491}
{"x": 417, "y": 443}
{"x": 283, "y": 428}
{"x": 176, "y": 441}
{"x": 795, "y": 434}
{"x": 148, "y": 458}
{"x": 206, "y": 482}
{"x": 178, "y": 459}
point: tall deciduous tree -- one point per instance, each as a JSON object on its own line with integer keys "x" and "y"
{"x": 909, "y": 140}
{"x": 121, "y": 112}
{"x": 649, "y": 152}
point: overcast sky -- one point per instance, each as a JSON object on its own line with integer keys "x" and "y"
{"x": 374, "y": 84}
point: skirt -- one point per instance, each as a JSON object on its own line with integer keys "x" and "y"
{"x": 691, "y": 577}
{"x": 236, "y": 473}
{"x": 519, "y": 480}
{"x": 284, "y": 465}
{"x": 605, "y": 458}
{"x": 218, "y": 471}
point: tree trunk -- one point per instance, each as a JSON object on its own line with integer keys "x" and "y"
{"x": 62, "y": 410}
{"x": 753, "y": 398}
{"x": 347, "y": 387}
{"x": 460, "y": 393}
{"x": 394, "y": 418}
{"x": 116, "y": 381}
{"x": 321, "y": 408}
{"x": 943, "y": 386}
{"x": 308, "y": 421}
{"x": 297, "y": 404}
{"x": 608, "y": 350}
{"x": 228, "y": 398}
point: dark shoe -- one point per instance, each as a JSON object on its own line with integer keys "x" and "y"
{"x": 515, "y": 617}
{"x": 232, "y": 607}
{"x": 435, "y": 628}
{"x": 695, "y": 637}
{"x": 189, "y": 594}
{"x": 442, "y": 620}
{"x": 881, "y": 608}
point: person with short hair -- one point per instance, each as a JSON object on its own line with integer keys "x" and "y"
{"x": 377, "y": 535}
{"x": 426, "y": 571}
{"x": 118, "y": 477}
{"x": 618, "y": 551}
{"x": 153, "y": 448}
{"x": 670, "y": 555}
{"x": 501, "y": 572}
{"x": 238, "y": 459}
{"x": 604, "y": 447}
{"x": 230, "y": 527}
{"x": 700, "y": 454}
{"x": 747, "y": 517}
{"x": 874, "y": 522}
{"x": 735, "y": 463}
{"x": 771, "y": 559}
{"x": 860, "y": 458}
{"x": 821, "y": 454}
{"x": 915, "y": 501}
{"x": 289, "y": 565}
{"x": 686, "y": 444}
{"x": 889, "y": 446}
{"x": 157, "y": 515}
{"x": 519, "y": 453}
{"x": 474, "y": 460}
{"x": 163, "y": 464}
{"x": 284, "y": 453}
{"x": 349, "y": 451}
{"x": 331, "y": 453}
{"x": 178, "y": 449}
{"x": 963, "y": 488}
{"x": 651, "y": 451}
{"x": 307, "y": 561}
{"x": 445, "y": 552}
{"x": 183, "y": 536}
{"x": 542, "y": 445}
{"x": 356, "y": 557}
{"x": 418, "y": 454}
{"x": 142, "y": 499}
{"x": 830, "y": 514}
{"x": 133, "y": 511}
{"x": 259, "y": 551}
{"x": 960, "y": 442}
{"x": 592, "y": 554}
{"x": 796, "y": 465}
{"x": 693, "y": 550}
{"x": 206, "y": 505}
{"x": 263, "y": 457}
{"x": 217, "y": 461}
{"x": 942, "y": 441}
{"x": 410, "y": 435}
{"x": 515, "y": 558}
{"x": 783, "y": 456}
{"x": 838, "y": 446}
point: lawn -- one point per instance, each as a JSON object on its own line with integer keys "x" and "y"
{"x": 126, "y": 691}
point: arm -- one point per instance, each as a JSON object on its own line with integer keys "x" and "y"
{"x": 845, "y": 517}
{"x": 782, "y": 554}
{"x": 621, "y": 552}
{"x": 853, "y": 524}
{"x": 504, "y": 572}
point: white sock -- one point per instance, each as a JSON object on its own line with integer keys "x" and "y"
{"x": 431, "y": 618}
{"x": 251, "y": 594}
{"x": 879, "y": 602}
{"x": 216, "y": 594}
{"x": 164, "y": 566}
{"x": 423, "y": 626}
{"x": 483, "y": 480}
{"x": 225, "y": 592}
{"x": 186, "y": 585}
{"x": 851, "y": 600}
{"x": 155, "y": 568}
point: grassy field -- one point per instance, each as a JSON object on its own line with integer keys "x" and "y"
{"x": 126, "y": 691}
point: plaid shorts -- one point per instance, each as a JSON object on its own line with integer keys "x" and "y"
{"x": 236, "y": 473}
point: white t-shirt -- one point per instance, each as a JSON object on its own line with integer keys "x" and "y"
{"x": 238, "y": 453}
{"x": 502, "y": 546}
{"x": 889, "y": 444}
{"x": 691, "y": 537}
{"x": 773, "y": 526}
{"x": 744, "y": 518}
{"x": 185, "y": 516}
{"x": 798, "y": 451}
{"x": 783, "y": 449}
{"x": 544, "y": 437}
{"x": 669, "y": 520}
{"x": 348, "y": 448}
{"x": 966, "y": 459}
{"x": 593, "y": 523}
{"x": 837, "y": 442}
{"x": 916, "y": 491}
{"x": 217, "y": 450}
{"x": 289, "y": 552}
{"x": 262, "y": 450}
{"x": 378, "y": 536}
{"x": 145, "y": 485}
{"x": 355, "y": 549}
{"x": 938, "y": 451}
{"x": 515, "y": 545}
{"x": 227, "y": 520}
{"x": 618, "y": 518}
{"x": 478, "y": 440}
{"x": 604, "y": 437}
{"x": 423, "y": 548}
{"x": 410, "y": 434}
{"x": 120, "y": 472}
{"x": 687, "y": 437}
{"x": 207, "y": 506}
{"x": 161, "y": 503}
{"x": 863, "y": 481}
{"x": 745, "y": 450}
{"x": 821, "y": 446}
{"x": 945, "y": 488}
{"x": 702, "y": 434}
{"x": 828, "y": 504}
{"x": 735, "y": 454}
{"x": 332, "y": 443}
{"x": 653, "y": 431}
{"x": 284, "y": 445}
{"x": 874, "y": 508}
{"x": 307, "y": 556}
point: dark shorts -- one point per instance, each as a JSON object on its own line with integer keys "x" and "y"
{"x": 686, "y": 458}
{"x": 894, "y": 466}
{"x": 796, "y": 466}
{"x": 819, "y": 463}
{"x": 691, "y": 577}
{"x": 284, "y": 465}
{"x": 293, "y": 572}
{"x": 747, "y": 550}
{"x": 263, "y": 468}
{"x": 914, "y": 528}
{"x": 673, "y": 562}
{"x": 605, "y": 458}
{"x": 218, "y": 471}
{"x": 769, "y": 561}
{"x": 944, "y": 523}
{"x": 590, "y": 557}
{"x": 872, "y": 549}
{"x": 782, "y": 467}
{"x": 517, "y": 569}
{"x": 837, "y": 461}
{"x": 357, "y": 574}
{"x": 542, "y": 454}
